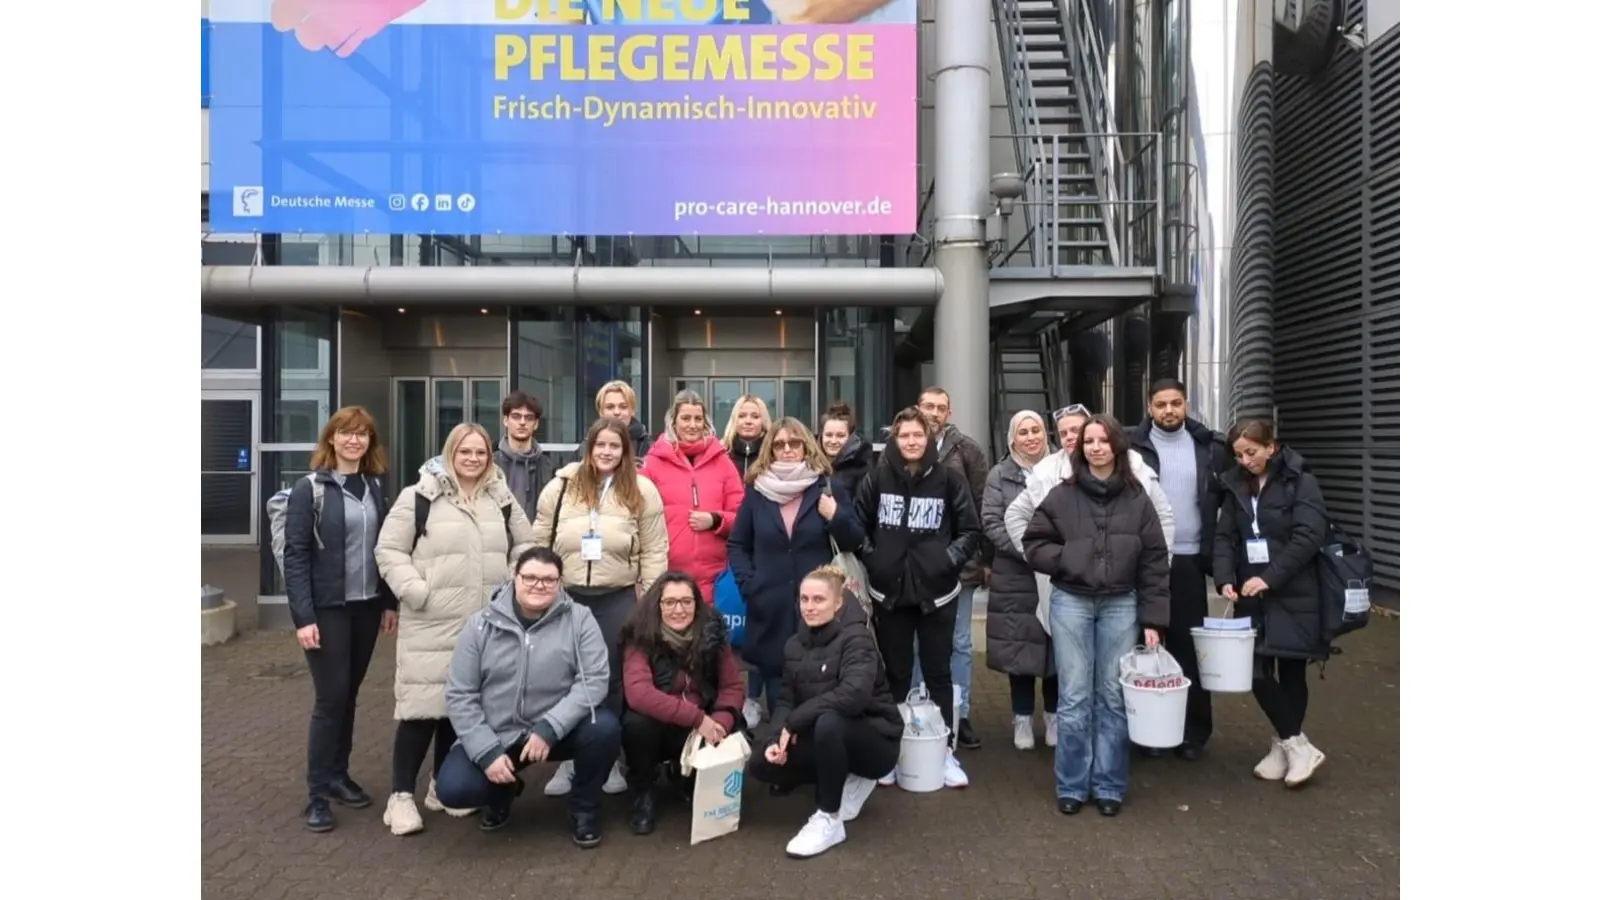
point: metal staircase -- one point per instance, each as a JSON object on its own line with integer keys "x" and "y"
{"x": 1027, "y": 372}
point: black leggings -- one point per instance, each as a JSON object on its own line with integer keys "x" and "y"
{"x": 1281, "y": 690}
{"x": 904, "y": 630}
{"x": 835, "y": 749}
{"x": 412, "y": 737}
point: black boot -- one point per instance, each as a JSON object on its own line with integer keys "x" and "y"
{"x": 319, "y": 815}
{"x": 643, "y": 820}
{"x": 966, "y": 737}
{"x": 585, "y": 830}
{"x": 346, "y": 792}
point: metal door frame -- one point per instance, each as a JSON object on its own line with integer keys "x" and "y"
{"x": 254, "y": 398}
{"x": 430, "y": 421}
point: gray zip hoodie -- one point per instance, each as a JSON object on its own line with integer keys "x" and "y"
{"x": 506, "y": 682}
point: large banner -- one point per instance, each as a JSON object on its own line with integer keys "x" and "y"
{"x": 535, "y": 117}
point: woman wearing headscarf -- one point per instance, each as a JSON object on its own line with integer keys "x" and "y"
{"x": 701, "y": 490}
{"x": 1018, "y": 643}
{"x": 444, "y": 549}
{"x": 747, "y": 428}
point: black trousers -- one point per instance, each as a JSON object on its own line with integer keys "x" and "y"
{"x": 611, "y": 608}
{"x": 646, "y": 744}
{"x": 1189, "y": 602}
{"x": 901, "y": 631}
{"x": 412, "y": 738}
{"x": 338, "y": 667}
{"x": 1282, "y": 693}
{"x": 834, "y": 750}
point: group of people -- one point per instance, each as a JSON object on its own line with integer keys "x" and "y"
{"x": 547, "y": 614}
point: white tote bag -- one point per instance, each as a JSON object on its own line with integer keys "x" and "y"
{"x": 718, "y": 784}
{"x": 855, "y": 574}
{"x": 1042, "y": 611}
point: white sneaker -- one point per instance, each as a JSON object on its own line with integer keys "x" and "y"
{"x": 954, "y": 775}
{"x": 752, "y": 713}
{"x": 616, "y": 782}
{"x": 401, "y": 815}
{"x": 1275, "y": 764}
{"x": 432, "y": 802}
{"x": 1022, "y": 732}
{"x": 856, "y": 792}
{"x": 821, "y": 832}
{"x": 560, "y": 784}
{"x": 890, "y": 779}
{"x": 1303, "y": 760}
{"x": 1050, "y": 734}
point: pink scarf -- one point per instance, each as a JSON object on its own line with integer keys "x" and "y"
{"x": 785, "y": 481}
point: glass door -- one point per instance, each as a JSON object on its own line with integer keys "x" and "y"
{"x": 426, "y": 409}
{"x": 228, "y": 486}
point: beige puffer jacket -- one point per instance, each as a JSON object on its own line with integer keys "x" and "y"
{"x": 456, "y": 567}
{"x": 633, "y": 548}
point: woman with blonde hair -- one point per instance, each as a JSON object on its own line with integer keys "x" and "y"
{"x": 605, "y": 520}
{"x": 445, "y": 548}
{"x": 338, "y": 602}
{"x": 747, "y": 428}
{"x": 791, "y": 521}
{"x": 701, "y": 490}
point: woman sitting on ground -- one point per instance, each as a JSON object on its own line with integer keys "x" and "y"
{"x": 679, "y": 676}
{"x": 836, "y": 724}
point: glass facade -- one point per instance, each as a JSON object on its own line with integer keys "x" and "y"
{"x": 563, "y": 356}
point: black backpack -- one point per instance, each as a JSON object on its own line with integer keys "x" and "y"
{"x": 1344, "y": 580}
{"x": 423, "y": 505}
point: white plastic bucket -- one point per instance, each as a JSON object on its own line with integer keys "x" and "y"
{"x": 922, "y": 762}
{"x": 1155, "y": 714}
{"x": 1226, "y": 658}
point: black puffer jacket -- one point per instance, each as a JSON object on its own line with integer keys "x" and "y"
{"x": 921, "y": 529}
{"x": 1289, "y": 512}
{"x": 1017, "y": 642}
{"x": 851, "y": 465}
{"x": 837, "y": 669}
{"x": 1099, "y": 538}
{"x": 743, "y": 452}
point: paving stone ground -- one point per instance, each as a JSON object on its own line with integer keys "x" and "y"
{"x": 1189, "y": 831}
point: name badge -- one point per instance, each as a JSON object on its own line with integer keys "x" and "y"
{"x": 1356, "y": 601}
{"x": 1255, "y": 550}
{"x": 590, "y": 548}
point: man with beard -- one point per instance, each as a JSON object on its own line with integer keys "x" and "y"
{"x": 1189, "y": 458}
{"x": 519, "y": 455}
{"x": 616, "y": 400}
{"x": 966, "y": 459}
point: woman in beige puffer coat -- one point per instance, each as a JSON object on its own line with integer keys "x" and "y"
{"x": 474, "y": 530}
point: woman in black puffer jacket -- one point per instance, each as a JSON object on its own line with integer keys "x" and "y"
{"x": 849, "y": 453}
{"x": 1099, "y": 539}
{"x": 1271, "y": 526}
{"x": 836, "y": 724}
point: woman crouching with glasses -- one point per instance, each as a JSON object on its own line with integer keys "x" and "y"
{"x": 679, "y": 676}
{"x": 836, "y": 724}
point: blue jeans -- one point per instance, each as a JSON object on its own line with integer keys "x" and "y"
{"x": 960, "y": 658}
{"x": 1090, "y": 635}
{"x": 593, "y": 748}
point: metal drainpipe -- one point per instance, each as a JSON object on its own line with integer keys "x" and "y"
{"x": 962, "y": 32}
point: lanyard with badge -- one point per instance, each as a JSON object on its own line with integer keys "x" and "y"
{"x": 1255, "y": 549}
{"x": 590, "y": 548}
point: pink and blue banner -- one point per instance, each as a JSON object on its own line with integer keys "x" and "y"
{"x": 535, "y": 117}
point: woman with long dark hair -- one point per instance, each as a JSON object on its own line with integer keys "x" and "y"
{"x": 1098, "y": 538}
{"x": 336, "y": 596}
{"x": 604, "y": 519}
{"x": 849, "y": 453}
{"x": 1271, "y": 526}
{"x": 679, "y": 676}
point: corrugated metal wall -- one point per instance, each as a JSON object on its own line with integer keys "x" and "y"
{"x": 1336, "y": 297}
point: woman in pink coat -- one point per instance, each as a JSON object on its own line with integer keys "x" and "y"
{"x": 700, "y": 488}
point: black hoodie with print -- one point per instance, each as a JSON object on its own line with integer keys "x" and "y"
{"x": 921, "y": 527}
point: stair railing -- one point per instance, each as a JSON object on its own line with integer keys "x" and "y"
{"x": 1089, "y": 67}
{"x": 1023, "y": 110}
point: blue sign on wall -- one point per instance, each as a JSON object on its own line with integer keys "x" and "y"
{"x": 205, "y": 63}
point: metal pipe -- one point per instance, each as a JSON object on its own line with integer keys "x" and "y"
{"x": 388, "y": 286}
{"x": 962, "y": 36}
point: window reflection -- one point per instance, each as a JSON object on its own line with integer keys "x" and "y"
{"x": 304, "y": 342}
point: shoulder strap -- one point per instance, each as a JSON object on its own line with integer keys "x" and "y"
{"x": 555, "y": 520}
{"x": 505, "y": 512}
{"x": 420, "y": 505}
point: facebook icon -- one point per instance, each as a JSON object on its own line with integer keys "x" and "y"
{"x": 249, "y": 202}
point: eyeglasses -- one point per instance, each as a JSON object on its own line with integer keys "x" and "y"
{"x": 677, "y": 603}
{"x": 789, "y": 445}
{"x": 540, "y": 581}
{"x": 1076, "y": 409}
{"x": 347, "y": 435}
{"x": 523, "y": 417}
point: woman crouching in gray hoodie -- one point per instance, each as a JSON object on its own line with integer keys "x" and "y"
{"x": 527, "y": 683}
